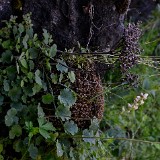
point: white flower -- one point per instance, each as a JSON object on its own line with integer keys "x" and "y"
{"x": 137, "y": 98}
{"x": 145, "y": 96}
{"x": 141, "y": 102}
{"x": 129, "y": 105}
{"x": 135, "y": 107}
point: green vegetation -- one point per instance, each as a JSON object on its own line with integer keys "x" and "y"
{"x": 36, "y": 96}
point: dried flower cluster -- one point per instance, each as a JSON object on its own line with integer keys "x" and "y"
{"x": 130, "y": 51}
{"x": 90, "y": 102}
{"x": 139, "y": 100}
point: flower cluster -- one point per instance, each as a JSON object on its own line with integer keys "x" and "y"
{"x": 130, "y": 50}
{"x": 139, "y": 100}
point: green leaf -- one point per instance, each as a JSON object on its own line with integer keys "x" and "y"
{"x": 1, "y": 148}
{"x": 48, "y": 127}
{"x": 37, "y": 88}
{"x": 33, "y": 53}
{"x": 8, "y": 120}
{"x": 11, "y": 118}
{"x": 30, "y": 75}
{"x": 63, "y": 112}
{"x": 67, "y": 97}
{"x": 16, "y": 130}
{"x": 18, "y": 146}
{"x": 20, "y": 28}
{"x": 146, "y": 84}
{"x": 17, "y": 105}
{"x": 40, "y": 112}
{"x": 12, "y": 112}
{"x": 60, "y": 77}
{"x": 25, "y": 39}
{"x": 29, "y": 31}
{"x": 37, "y": 77}
{"x": 31, "y": 65}
{"x": 47, "y": 99}
{"x": 53, "y": 136}
{"x": 62, "y": 66}
{"x": 33, "y": 151}
{"x": 11, "y": 72}
{"x": 15, "y": 30}
{"x": 24, "y": 63}
{"x": 46, "y": 36}
{"x": 157, "y": 145}
{"x": 94, "y": 125}
{"x": 71, "y": 76}
{"x": 1, "y": 157}
{"x": 59, "y": 149}
{"x": 53, "y": 50}
{"x": 29, "y": 125}
{"x": 71, "y": 127}
{"x": 22, "y": 83}
{"x": 54, "y": 78}
{"x": 44, "y": 124}
{"x": 44, "y": 133}
{"x": 6, "y": 85}
{"x": 7, "y": 56}
{"x": 48, "y": 65}
{"x": 6, "y": 44}
{"x": 44, "y": 127}
{"x": 88, "y": 136}
{"x": 15, "y": 93}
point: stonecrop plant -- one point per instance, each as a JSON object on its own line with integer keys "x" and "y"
{"x": 28, "y": 72}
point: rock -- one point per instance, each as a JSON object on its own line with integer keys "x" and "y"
{"x": 5, "y": 10}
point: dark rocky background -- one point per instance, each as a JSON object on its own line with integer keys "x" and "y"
{"x": 93, "y": 23}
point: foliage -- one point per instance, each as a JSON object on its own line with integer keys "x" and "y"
{"x": 33, "y": 76}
